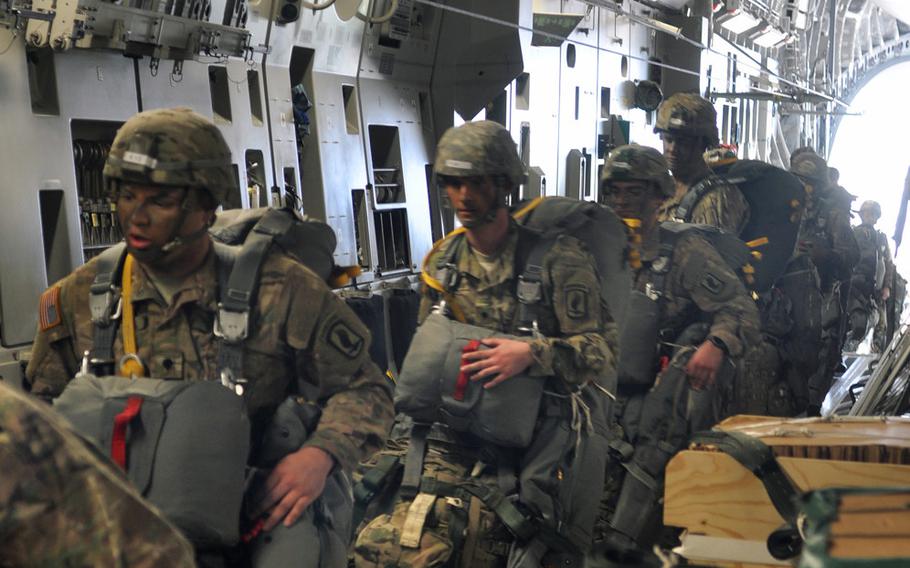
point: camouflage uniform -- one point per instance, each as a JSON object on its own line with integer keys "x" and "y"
{"x": 578, "y": 346}
{"x": 303, "y": 340}
{"x": 699, "y": 286}
{"x": 63, "y": 505}
{"x": 826, "y": 239}
{"x": 873, "y": 273}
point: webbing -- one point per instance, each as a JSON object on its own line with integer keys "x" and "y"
{"x": 129, "y": 366}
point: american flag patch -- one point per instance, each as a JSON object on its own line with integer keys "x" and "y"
{"x": 49, "y": 315}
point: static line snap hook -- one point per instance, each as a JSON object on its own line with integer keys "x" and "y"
{"x": 131, "y": 366}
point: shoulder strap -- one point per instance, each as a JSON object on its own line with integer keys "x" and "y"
{"x": 529, "y": 254}
{"x": 242, "y": 268}
{"x": 104, "y": 305}
{"x": 695, "y": 195}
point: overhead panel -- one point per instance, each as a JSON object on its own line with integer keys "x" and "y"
{"x": 477, "y": 58}
{"x": 900, "y": 9}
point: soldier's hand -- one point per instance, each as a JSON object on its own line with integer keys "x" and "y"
{"x": 505, "y": 359}
{"x": 704, "y": 365}
{"x": 296, "y": 481}
{"x": 886, "y": 293}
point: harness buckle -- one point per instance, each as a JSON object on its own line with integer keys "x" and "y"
{"x": 651, "y": 292}
{"x": 528, "y": 290}
{"x": 233, "y": 327}
{"x": 229, "y": 381}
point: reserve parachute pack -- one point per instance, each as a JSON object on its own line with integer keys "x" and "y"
{"x": 776, "y": 200}
{"x": 152, "y": 427}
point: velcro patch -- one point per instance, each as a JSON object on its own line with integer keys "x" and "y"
{"x": 577, "y": 301}
{"x": 347, "y": 341}
{"x": 49, "y": 314}
{"x": 712, "y": 284}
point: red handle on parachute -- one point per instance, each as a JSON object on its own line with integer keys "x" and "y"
{"x": 461, "y": 385}
{"x": 121, "y": 421}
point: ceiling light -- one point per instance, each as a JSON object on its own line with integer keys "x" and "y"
{"x": 738, "y": 21}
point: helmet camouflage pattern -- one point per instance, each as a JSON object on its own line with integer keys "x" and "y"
{"x": 873, "y": 206}
{"x": 811, "y": 167}
{"x": 638, "y": 163}
{"x": 173, "y": 146}
{"x": 483, "y": 148}
{"x": 688, "y": 114}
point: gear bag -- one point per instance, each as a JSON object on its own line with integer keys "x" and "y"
{"x": 188, "y": 463}
{"x": 776, "y": 200}
{"x": 431, "y": 388}
{"x": 308, "y": 241}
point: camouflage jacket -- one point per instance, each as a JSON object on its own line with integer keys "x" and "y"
{"x": 701, "y": 287}
{"x": 827, "y": 237}
{"x": 579, "y": 336}
{"x": 871, "y": 240}
{"x": 722, "y": 206}
{"x": 62, "y": 505}
{"x": 303, "y": 341}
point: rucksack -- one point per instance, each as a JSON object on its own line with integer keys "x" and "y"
{"x": 776, "y": 200}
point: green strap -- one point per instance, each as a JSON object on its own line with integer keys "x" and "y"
{"x": 372, "y": 484}
{"x": 757, "y": 457}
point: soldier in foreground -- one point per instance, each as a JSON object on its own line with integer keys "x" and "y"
{"x": 687, "y": 124}
{"x": 826, "y": 239}
{"x": 475, "y": 496}
{"x": 168, "y": 171}
{"x": 62, "y": 505}
{"x": 870, "y": 286}
{"x": 690, "y": 318}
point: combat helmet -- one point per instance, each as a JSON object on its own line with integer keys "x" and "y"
{"x": 638, "y": 163}
{"x": 873, "y": 206}
{"x": 811, "y": 168}
{"x": 483, "y": 148}
{"x": 175, "y": 147}
{"x": 688, "y": 114}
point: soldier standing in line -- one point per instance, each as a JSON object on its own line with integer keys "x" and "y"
{"x": 687, "y": 124}
{"x": 871, "y": 283}
{"x": 690, "y": 318}
{"x": 63, "y": 505}
{"x": 479, "y": 514}
{"x": 826, "y": 239}
{"x": 168, "y": 171}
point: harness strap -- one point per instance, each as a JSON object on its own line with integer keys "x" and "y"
{"x": 104, "y": 300}
{"x": 694, "y": 196}
{"x": 121, "y": 421}
{"x": 413, "y": 465}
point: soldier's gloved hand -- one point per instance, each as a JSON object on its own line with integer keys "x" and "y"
{"x": 505, "y": 359}
{"x": 704, "y": 365}
{"x": 296, "y": 481}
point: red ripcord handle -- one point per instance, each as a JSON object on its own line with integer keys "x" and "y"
{"x": 461, "y": 385}
{"x": 121, "y": 421}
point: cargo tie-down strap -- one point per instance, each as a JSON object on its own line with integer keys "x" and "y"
{"x": 757, "y": 457}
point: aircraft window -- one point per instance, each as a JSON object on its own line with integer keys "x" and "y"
{"x": 605, "y": 102}
{"x": 523, "y": 91}
{"x": 221, "y": 97}
{"x": 351, "y": 113}
{"x": 624, "y": 66}
{"x": 233, "y": 200}
{"x": 54, "y": 233}
{"x": 570, "y": 55}
{"x": 252, "y": 81}
{"x": 256, "y": 186}
{"x": 42, "y": 81}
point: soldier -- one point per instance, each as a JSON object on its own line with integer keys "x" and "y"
{"x": 870, "y": 286}
{"x": 473, "y": 276}
{"x": 687, "y": 124}
{"x": 690, "y": 316}
{"x": 62, "y": 505}
{"x": 168, "y": 171}
{"x": 826, "y": 239}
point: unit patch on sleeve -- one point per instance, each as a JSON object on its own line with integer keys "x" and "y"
{"x": 49, "y": 315}
{"x": 577, "y": 302}
{"x": 347, "y": 341}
